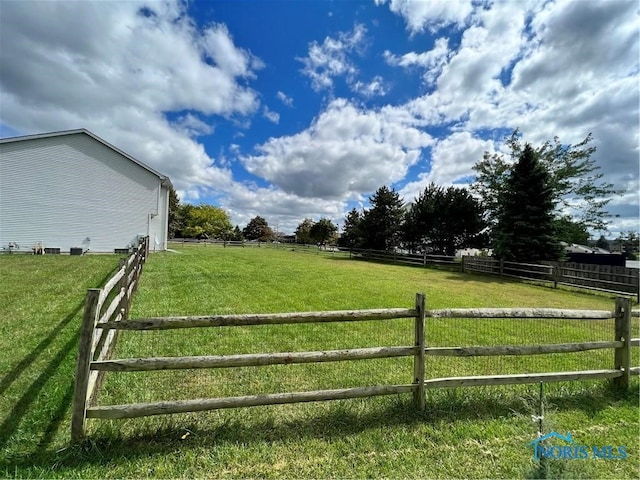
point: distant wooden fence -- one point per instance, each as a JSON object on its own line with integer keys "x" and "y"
{"x": 615, "y": 280}
{"x": 94, "y": 326}
{"x": 419, "y": 259}
{"x": 224, "y": 243}
{"x": 109, "y": 304}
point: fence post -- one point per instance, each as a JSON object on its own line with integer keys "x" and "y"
{"x": 79, "y": 412}
{"x": 622, "y": 359}
{"x": 462, "y": 266}
{"x": 556, "y": 275}
{"x": 418, "y": 359}
{"x": 125, "y": 306}
{"x": 501, "y": 266}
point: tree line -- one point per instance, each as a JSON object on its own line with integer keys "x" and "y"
{"x": 522, "y": 204}
{"x": 210, "y": 222}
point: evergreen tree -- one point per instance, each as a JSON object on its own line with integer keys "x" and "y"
{"x": 351, "y": 230}
{"x": 236, "y": 235}
{"x": 176, "y": 215}
{"x": 382, "y": 224}
{"x": 603, "y": 243}
{"x": 628, "y": 242}
{"x": 525, "y": 230}
{"x": 444, "y": 220}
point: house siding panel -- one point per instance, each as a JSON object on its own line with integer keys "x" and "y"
{"x": 73, "y": 191}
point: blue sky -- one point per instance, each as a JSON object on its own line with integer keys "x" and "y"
{"x": 294, "y": 109}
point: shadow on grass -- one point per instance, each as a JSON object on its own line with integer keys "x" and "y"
{"x": 342, "y": 421}
{"x": 16, "y": 371}
{"x": 22, "y": 406}
{"x": 41, "y": 385}
{"x": 453, "y": 268}
{"x": 453, "y": 271}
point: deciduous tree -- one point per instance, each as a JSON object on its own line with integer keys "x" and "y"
{"x": 323, "y": 231}
{"x": 573, "y": 179}
{"x": 570, "y": 231}
{"x": 207, "y": 221}
{"x": 258, "y": 229}
{"x": 303, "y": 232}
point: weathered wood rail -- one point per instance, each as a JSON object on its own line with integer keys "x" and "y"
{"x": 92, "y": 364}
{"x": 111, "y": 303}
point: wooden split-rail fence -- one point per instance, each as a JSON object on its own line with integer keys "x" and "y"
{"x": 91, "y": 364}
{"x": 602, "y": 278}
{"x": 108, "y": 304}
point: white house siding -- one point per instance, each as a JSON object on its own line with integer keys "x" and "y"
{"x": 72, "y": 190}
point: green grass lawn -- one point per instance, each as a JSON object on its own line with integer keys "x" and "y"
{"x": 474, "y": 433}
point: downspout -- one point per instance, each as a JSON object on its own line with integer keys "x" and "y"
{"x": 149, "y": 227}
{"x": 166, "y": 221}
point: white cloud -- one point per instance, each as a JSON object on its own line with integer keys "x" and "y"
{"x": 331, "y": 58}
{"x": 344, "y": 153}
{"x": 57, "y": 73}
{"x": 452, "y": 160}
{"x": 270, "y": 115}
{"x": 288, "y": 101}
{"x": 431, "y": 14}
{"x": 372, "y": 89}
{"x": 431, "y": 61}
{"x": 218, "y": 45}
{"x": 192, "y": 126}
{"x": 279, "y": 208}
{"x": 550, "y": 68}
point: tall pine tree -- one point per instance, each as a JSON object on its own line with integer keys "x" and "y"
{"x": 351, "y": 230}
{"x": 525, "y": 229}
{"x": 382, "y": 224}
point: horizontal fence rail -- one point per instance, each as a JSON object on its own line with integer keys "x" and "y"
{"x": 519, "y": 349}
{"x": 100, "y": 364}
{"x": 519, "y": 379}
{"x": 264, "y": 319}
{"x": 247, "y": 360}
{"x": 554, "y": 313}
{"x": 184, "y": 406}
